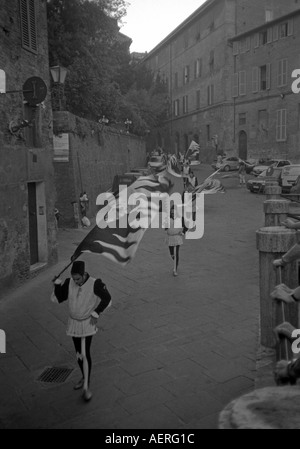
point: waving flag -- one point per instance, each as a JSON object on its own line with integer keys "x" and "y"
{"x": 119, "y": 243}
{"x": 194, "y": 147}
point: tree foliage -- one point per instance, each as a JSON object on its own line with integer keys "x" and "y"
{"x": 84, "y": 37}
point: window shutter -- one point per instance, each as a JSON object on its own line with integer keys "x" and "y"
{"x": 269, "y": 35}
{"x": 235, "y": 85}
{"x": 242, "y": 82}
{"x": 290, "y": 27}
{"x": 255, "y": 79}
{"x": 28, "y": 24}
{"x": 256, "y": 40}
{"x": 268, "y": 80}
{"x": 275, "y": 33}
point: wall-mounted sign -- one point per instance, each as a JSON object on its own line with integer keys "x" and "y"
{"x": 34, "y": 90}
{"x": 61, "y": 147}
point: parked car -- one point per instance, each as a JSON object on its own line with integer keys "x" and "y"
{"x": 289, "y": 177}
{"x": 258, "y": 169}
{"x": 227, "y": 164}
{"x": 257, "y": 185}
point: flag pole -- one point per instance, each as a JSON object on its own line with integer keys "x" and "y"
{"x": 213, "y": 174}
{"x": 65, "y": 269}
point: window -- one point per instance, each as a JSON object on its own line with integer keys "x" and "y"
{"x": 264, "y": 77}
{"x": 242, "y": 118}
{"x": 282, "y": 72}
{"x": 263, "y": 37}
{"x": 28, "y": 25}
{"x": 185, "y": 104}
{"x": 281, "y": 125}
{"x": 210, "y": 94}
{"x": 283, "y": 30}
{"x": 269, "y": 35}
{"x": 242, "y": 82}
{"x": 198, "y": 98}
{"x": 275, "y": 33}
{"x": 269, "y": 15}
{"x": 176, "y": 108}
{"x": 186, "y": 74}
{"x": 256, "y": 40}
{"x": 198, "y": 68}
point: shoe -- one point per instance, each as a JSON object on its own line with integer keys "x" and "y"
{"x": 79, "y": 385}
{"x": 87, "y": 395}
{"x": 175, "y": 273}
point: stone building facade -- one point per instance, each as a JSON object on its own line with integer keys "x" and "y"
{"x": 197, "y": 64}
{"x": 266, "y": 111}
{"x": 27, "y": 191}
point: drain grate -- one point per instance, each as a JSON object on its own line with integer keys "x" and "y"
{"x": 55, "y": 375}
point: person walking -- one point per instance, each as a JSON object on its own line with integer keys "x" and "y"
{"x": 174, "y": 239}
{"x": 242, "y": 173}
{"x": 88, "y": 298}
{"x": 193, "y": 179}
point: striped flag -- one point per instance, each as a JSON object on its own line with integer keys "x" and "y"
{"x": 194, "y": 147}
{"x": 118, "y": 243}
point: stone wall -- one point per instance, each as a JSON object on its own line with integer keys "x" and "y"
{"x": 23, "y": 160}
{"x": 96, "y": 155}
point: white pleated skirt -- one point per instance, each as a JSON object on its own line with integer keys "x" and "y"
{"x": 175, "y": 240}
{"x": 82, "y": 328}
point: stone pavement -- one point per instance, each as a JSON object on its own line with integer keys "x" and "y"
{"x": 171, "y": 353}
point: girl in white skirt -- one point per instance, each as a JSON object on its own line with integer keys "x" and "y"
{"x": 88, "y": 298}
{"x": 174, "y": 240}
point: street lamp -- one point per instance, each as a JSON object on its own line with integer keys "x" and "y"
{"x": 127, "y": 124}
{"x": 58, "y": 74}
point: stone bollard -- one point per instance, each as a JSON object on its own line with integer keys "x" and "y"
{"x": 272, "y": 243}
{"x": 276, "y": 209}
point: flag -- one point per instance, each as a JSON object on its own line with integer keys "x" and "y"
{"x": 194, "y": 147}
{"x": 118, "y": 243}
{"x": 173, "y": 166}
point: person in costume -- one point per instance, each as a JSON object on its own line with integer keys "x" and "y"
{"x": 88, "y": 298}
{"x": 174, "y": 240}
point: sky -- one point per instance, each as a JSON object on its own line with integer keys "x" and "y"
{"x": 148, "y": 22}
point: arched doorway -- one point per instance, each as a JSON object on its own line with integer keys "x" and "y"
{"x": 243, "y": 144}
